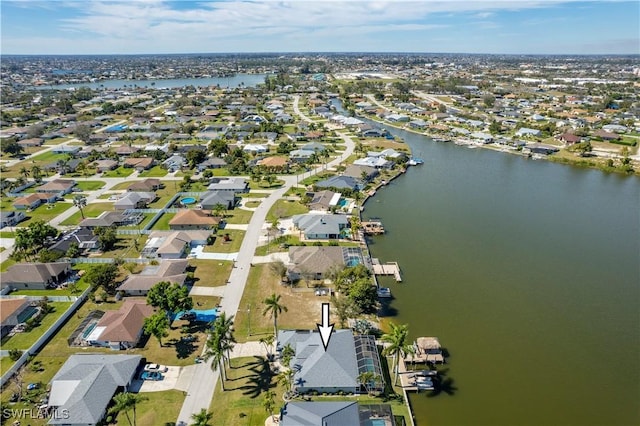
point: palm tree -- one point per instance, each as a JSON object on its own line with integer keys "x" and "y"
{"x": 223, "y": 327}
{"x": 25, "y": 172}
{"x": 80, "y": 202}
{"x": 36, "y": 172}
{"x": 126, "y": 401}
{"x": 201, "y": 418}
{"x": 286, "y": 379}
{"x": 268, "y": 403}
{"x": 274, "y": 308}
{"x": 268, "y": 342}
{"x": 216, "y": 351}
{"x": 397, "y": 345}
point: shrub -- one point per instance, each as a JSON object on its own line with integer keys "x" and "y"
{"x": 15, "y": 354}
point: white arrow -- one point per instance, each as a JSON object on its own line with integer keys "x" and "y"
{"x": 325, "y": 328}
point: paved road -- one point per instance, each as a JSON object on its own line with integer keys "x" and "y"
{"x": 200, "y": 392}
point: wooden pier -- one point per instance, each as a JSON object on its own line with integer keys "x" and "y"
{"x": 372, "y": 227}
{"x": 389, "y": 268}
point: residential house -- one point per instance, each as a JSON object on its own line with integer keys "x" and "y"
{"x": 340, "y": 182}
{"x": 210, "y": 199}
{"x": 525, "y": 131}
{"x": 323, "y": 200}
{"x": 175, "y": 162}
{"x": 66, "y": 149}
{"x": 139, "y": 163}
{"x": 172, "y": 271}
{"x": 83, "y": 237}
{"x": 335, "y": 369}
{"x": 105, "y": 165}
{"x": 607, "y": 136}
{"x": 374, "y": 133}
{"x": 212, "y": 163}
{"x": 134, "y": 200}
{"x": 374, "y": 162}
{"x": 173, "y": 244}
{"x": 335, "y": 413}
{"x": 315, "y": 261}
{"x": 85, "y": 384}
{"x": 126, "y": 150}
{"x": 36, "y": 276}
{"x": 146, "y": 185}
{"x": 254, "y": 148}
{"x": 363, "y": 172}
{"x": 32, "y": 201}
{"x": 321, "y": 226}
{"x": 300, "y": 156}
{"x": 234, "y": 185}
{"x": 30, "y": 143}
{"x": 111, "y": 219}
{"x": 539, "y": 148}
{"x": 194, "y": 219}
{"x": 11, "y": 218}
{"x": 418, "y": 124}
{"x": 121, "y": 329}
{"x": 569, "y": 138}
{"x": 273, "y": 163}
{"x": 13, "y": 312}
{"x": 57, "y": 186}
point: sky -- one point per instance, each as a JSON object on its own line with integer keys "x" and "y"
{"x": 446, "y": 26}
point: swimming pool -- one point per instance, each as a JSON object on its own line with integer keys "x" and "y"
{"x": 342, "y": 202}
{"x": 87, "y": 331}
{"x": 116, "y": 128}
{"x": 188, "y": 200}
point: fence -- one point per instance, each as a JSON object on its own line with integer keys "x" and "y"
{"x": 44, "y": 338}
{"x": 106, "y": 260}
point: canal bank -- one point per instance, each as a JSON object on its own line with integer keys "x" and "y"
{"x": 528, "y": 272}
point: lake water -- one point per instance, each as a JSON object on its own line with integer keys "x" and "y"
{"x": 529, "y": 274}
{"x": 247, "y": 80}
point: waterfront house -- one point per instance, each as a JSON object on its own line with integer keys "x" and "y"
{"x": 36, "y": 276}
{"x": 85, "y": 384}
{"x": 314, "y": 262}
{"x": 172, "y": 271}
{"x": 364, "y": 172}
{"x": 121, "y": 329}
{"x": 525, "y": 131}
{"x": 606, "y": 136}
{"x": 335, "y": 369}
{"x": 335, "y": 413}
{"x": 340, "y": 182}
{"x": 321, "y": 226}
{"x": 323, "y": 200}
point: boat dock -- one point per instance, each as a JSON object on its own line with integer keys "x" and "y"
{"x": 372, "y": 227}
{"x": 415, "y": 380}
{"x": 427, "y": 350}
{"x": 389, "y": 268}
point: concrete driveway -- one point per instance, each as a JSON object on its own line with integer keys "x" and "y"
{"x": 170, "y": 381}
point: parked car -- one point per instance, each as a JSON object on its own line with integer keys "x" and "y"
{"x": 155, "y": 368}
{"x": 151, "y": 375}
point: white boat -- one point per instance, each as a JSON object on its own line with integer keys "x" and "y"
{"x": 384, "y": 292}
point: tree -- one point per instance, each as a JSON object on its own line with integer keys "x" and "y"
{"x": 126, "y": 402}
{"x": 73, "y": 251}
{"x": 80, "y": 202}
{"x": 278, "y": 268}
{"x": 268, "y": 402}
{"x": 15, "y": 354}
{"x": 268, "y": 344}
{"x": 36, "y": 173}
{"x": 274, "y": 308}
{"x": 223, "y": 330}
{"x": 201, "y": 418}
{"x": 397, "y": 345}
{"x": 344, "y": 309}
{"x": 219, "y": 209}
{"x": 170, "y": 297}
{"x": 157, "y": 325}
{"x": 195, "y": 156}
{"x": 489, "y": 100}
{"x": 33, "y": 238}
{"x": 102, "y": 275}
{"x": 107, "y": 236}
{"x": 285, "y": 378}
{"x": 83, "y": 132}
{"x": 24, "y": 172}
{"x": 363, "y": 294}
{"x": 12, "y": 147}
{"x": 215, "y": 349}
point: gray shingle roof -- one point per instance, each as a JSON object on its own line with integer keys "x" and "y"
{"x": 85, "y": 384}
{"x": 320, "y": 414}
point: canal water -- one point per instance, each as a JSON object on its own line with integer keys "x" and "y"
{"x": 529, "y": 274}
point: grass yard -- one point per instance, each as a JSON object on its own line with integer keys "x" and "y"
{"x": 241, "y": 403}
{"x": 238, "y": 216}
{"x": 156, "y": 171}
{"x": 119, "y": 172}
{"x": 120, "y": 186}
{"x": 318, "y": 177}
{"x": 80, "y": 287}
{"x": 90, "y": 210}
{"x": 252, "y": 204}
{"x": 48, "y": 157}
{"x": 159, "y": 407}
{"x": 7, "y": 234}
{"x": 89, "y": 185}
{"x": 162, "y": 224}
{"x": 164, "y": 195}
{"x": 5, "y": 364}
{"x": 211, "y": 273}
{"x": 304, "y": 307}
{"x": 45, "y": 212}
{"x": 263, "y": 184}
{"x": 7, "y": 264}
{"x": 286, "y": 208}
{"x": 23, "y": 341}
{"x": 125, "y": 246}
{"x": 221, "y": 246}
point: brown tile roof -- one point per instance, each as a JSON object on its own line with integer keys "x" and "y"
{"x": 273, "y": 162}
{"x": 138, "y": 162}
{"x": 124, "y": 325}
{"x": 33, "y": 272}
{"x": 194, "y": 217}
{"x": 168, "y": 270}
{"x": 146, "y": 185}
{"x": 10, "y": 306}
{"x": 57, "y": 185}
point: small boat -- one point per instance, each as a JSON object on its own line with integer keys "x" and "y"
{"x": 384, "y": 292}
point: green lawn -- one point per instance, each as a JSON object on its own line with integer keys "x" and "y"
{"x": 48, "y": 157}
{"x": 221, "y": 246}
{"x": 89, "y": 185}
{"x": 163, "y": 222}
{"x": 90, "y": 210}
{"x": 156, "y": 171}
{"x": 7, "y": 264}
{"x": 24, "y": 340}
{"x": 241, "y": 403}
{"x": 238, "y": 216}
{"x": 125, "y": 246}
{"x": 211, "y": 273}
{"x": 252, "y": 204}
{"x": 7, "y": 234}
{"x": 285, "y": 208}
{"x": 119, "y": 172}
{"x": 157, "y": 410}
{"x": 265, "y": 185}
{"x": 45, "y": 212}
{"x": 5, "y": 364}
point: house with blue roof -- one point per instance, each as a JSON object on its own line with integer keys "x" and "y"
{"x": 321, "y": 226}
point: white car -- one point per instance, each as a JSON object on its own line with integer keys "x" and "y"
{"x": 155, "y": 367}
